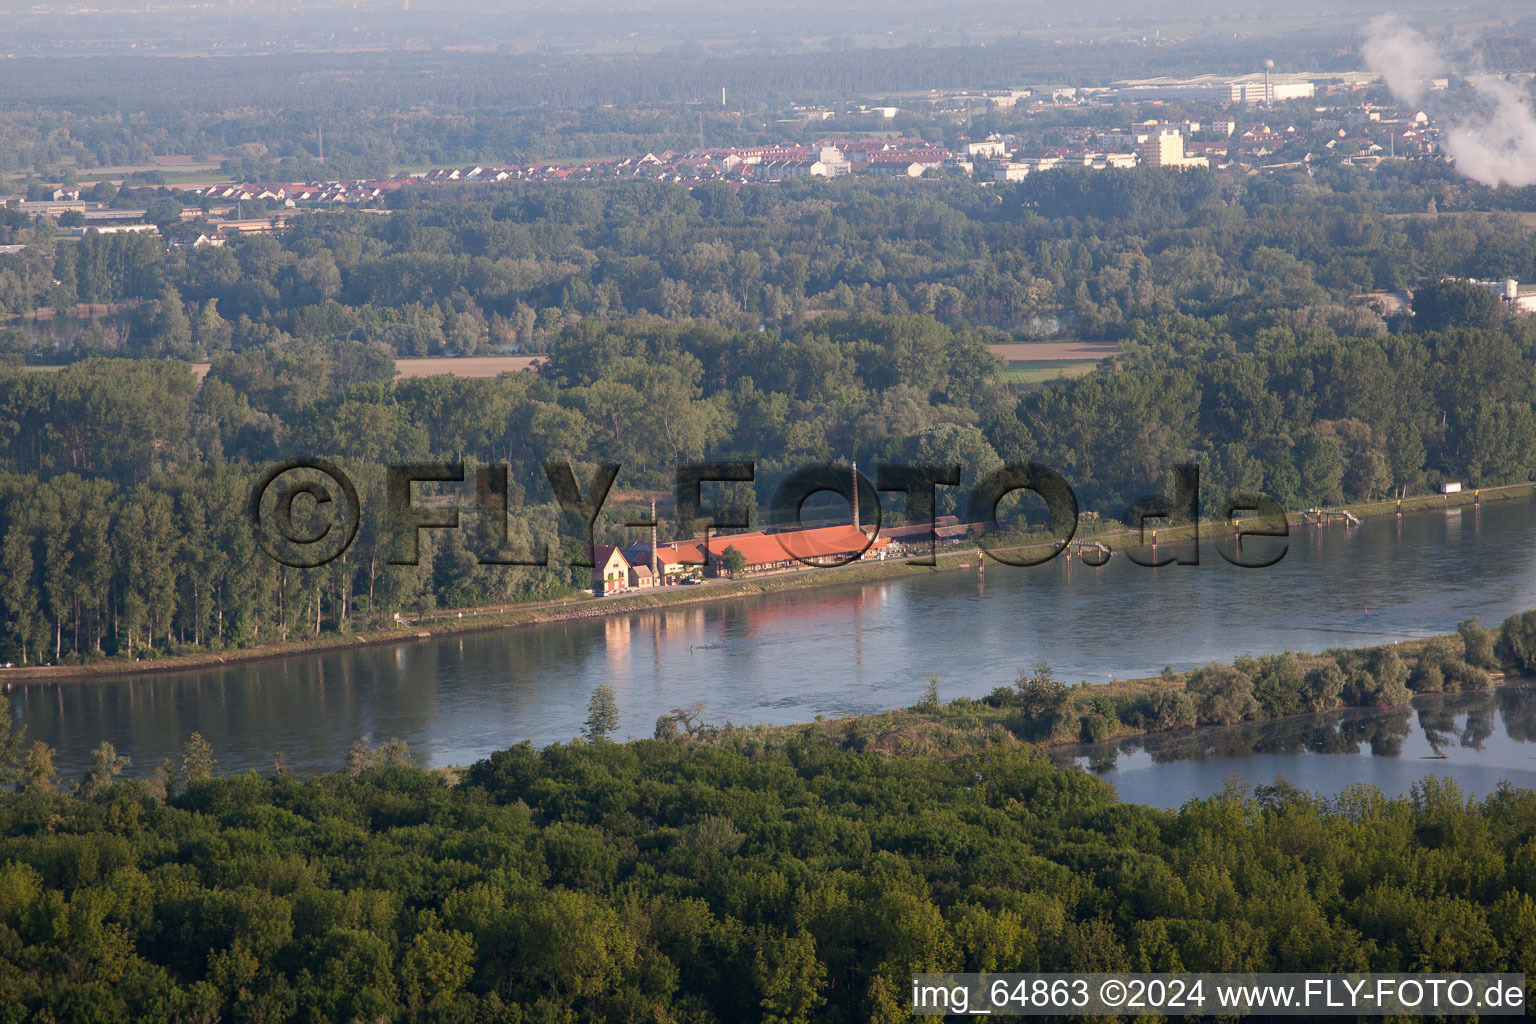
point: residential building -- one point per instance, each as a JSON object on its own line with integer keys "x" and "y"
{"x": 1166, "y": 149}
{"x": 610, "y": 571}
{"x": 673, "y": 561}
{"x": 993, "y": 147}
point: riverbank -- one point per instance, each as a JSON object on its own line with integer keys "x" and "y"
{"x": 459, "y": 621}
{"x": 1044, "y": 712}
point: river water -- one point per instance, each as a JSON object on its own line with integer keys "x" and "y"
{"x": 790, "y": 657}
{"x": 1477, "y": 739}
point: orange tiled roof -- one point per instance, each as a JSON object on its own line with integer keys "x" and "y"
{"x": 760, "y": 548}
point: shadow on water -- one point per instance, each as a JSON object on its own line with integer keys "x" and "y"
{"x": 1452, "y": 735}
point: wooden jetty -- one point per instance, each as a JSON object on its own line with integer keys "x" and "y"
{"x": 1321, "y": 515}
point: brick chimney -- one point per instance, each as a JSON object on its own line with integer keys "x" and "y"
{"x": 856, "y": 497}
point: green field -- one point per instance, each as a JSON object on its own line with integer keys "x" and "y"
{"x": 1029, "y": 373}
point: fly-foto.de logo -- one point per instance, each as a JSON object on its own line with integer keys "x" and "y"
{"x": 307, "y": 512}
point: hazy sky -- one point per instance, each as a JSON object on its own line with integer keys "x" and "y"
{"x": 178, "y": 24}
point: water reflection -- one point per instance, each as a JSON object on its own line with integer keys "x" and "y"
{"x": 787, "y": 657}
{"x": 1452, "y": 735}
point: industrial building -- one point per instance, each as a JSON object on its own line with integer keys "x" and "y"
{"x": 1258, "y": 88}
{"x": 1511, "y": 291}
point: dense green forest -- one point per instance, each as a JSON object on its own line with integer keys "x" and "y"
{"x": 714, "y": 873}
{"x": 124, "y": 508}
{"x": 781, "y": 326}
{"x": 1081, "y": 252}
{"x": 795, "y": 875}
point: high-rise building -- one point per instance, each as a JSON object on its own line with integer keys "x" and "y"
{"x": 1163, "y": 149}
{"x": 1166, "y": 149}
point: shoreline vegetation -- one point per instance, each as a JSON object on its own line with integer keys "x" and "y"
{"x": 457, "y": 621}
{"x": 1040, "y": 710}
{"x": 729, "y": 872}
{"x": 929, "y": 838}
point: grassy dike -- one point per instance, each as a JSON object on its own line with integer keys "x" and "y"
{"x": 448, "y": 622}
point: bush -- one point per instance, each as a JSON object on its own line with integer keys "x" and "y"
{"x": 1001, "y": 697}
{"x": 1516, "y": 645}
{"x": 1223, "y": 694}
{"x": 1467, "y": 677}
{"x": 1096, "y": 728}
{"x": 1325, "y": 686}
{"x": 1173, "y": 709}
{"x": 1427, "y": 678}
{"x": 1279, "y": 685}
{"x": 1478, "y": 642}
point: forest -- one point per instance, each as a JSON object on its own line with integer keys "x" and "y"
{"x": 1080, "y": 252}
{"x": 123, "y": 506}
{"x": 715, "y": 873}
{"x": 780, "y": 326}
{"x": 792, "y": 875}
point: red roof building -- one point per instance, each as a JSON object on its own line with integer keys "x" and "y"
{"x": 769, "y": 552}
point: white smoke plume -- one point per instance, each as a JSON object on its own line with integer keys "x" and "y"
{"x": 1401, "y": 56}
{"x": 1496, "y": 146}
{"x": 1493, "y": 142}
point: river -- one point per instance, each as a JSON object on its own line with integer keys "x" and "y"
{"x": 1476, "y": 739}
{"x": 789, "y": 657}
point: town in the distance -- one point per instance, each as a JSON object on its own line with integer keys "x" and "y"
{"x": 1262, "y": 122}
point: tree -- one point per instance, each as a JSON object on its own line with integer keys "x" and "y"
{"x": 602, "y": 713}
{"x": 106, "y": 766}
{"x": 684, "y": 721}
{"x": 1324, "y": 686}
{"x": 1224, "y": 694}
{"x": 735, "y": 562}
{"x": 197, "y": 760}
{"x": 1279, "y": 685}
{"x": 37, "y": 772}
{"x": 953, "y": 445}
{"x": 12, "y": 744}
{"x": 437, "y": 964}
{"x": 1039, "y": 692}
{"x": 1479, "y": 643}
{"x": 164, "y": 213}
{"x": 395, "y": 754}
{"x": 791, "y": 979}
{"x": 930, "y": 701}
{"x": 1173, "y": 709}
{"x": 169, "y": 329}
{"x": 1321, "y": 465}
{"x": 1443, "y": 305}
{"x": 1516, "y": 646}
{"x": 210, "y": 331}
{"x": 1042, "y": 700}
{"x": 360, "y": 759}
